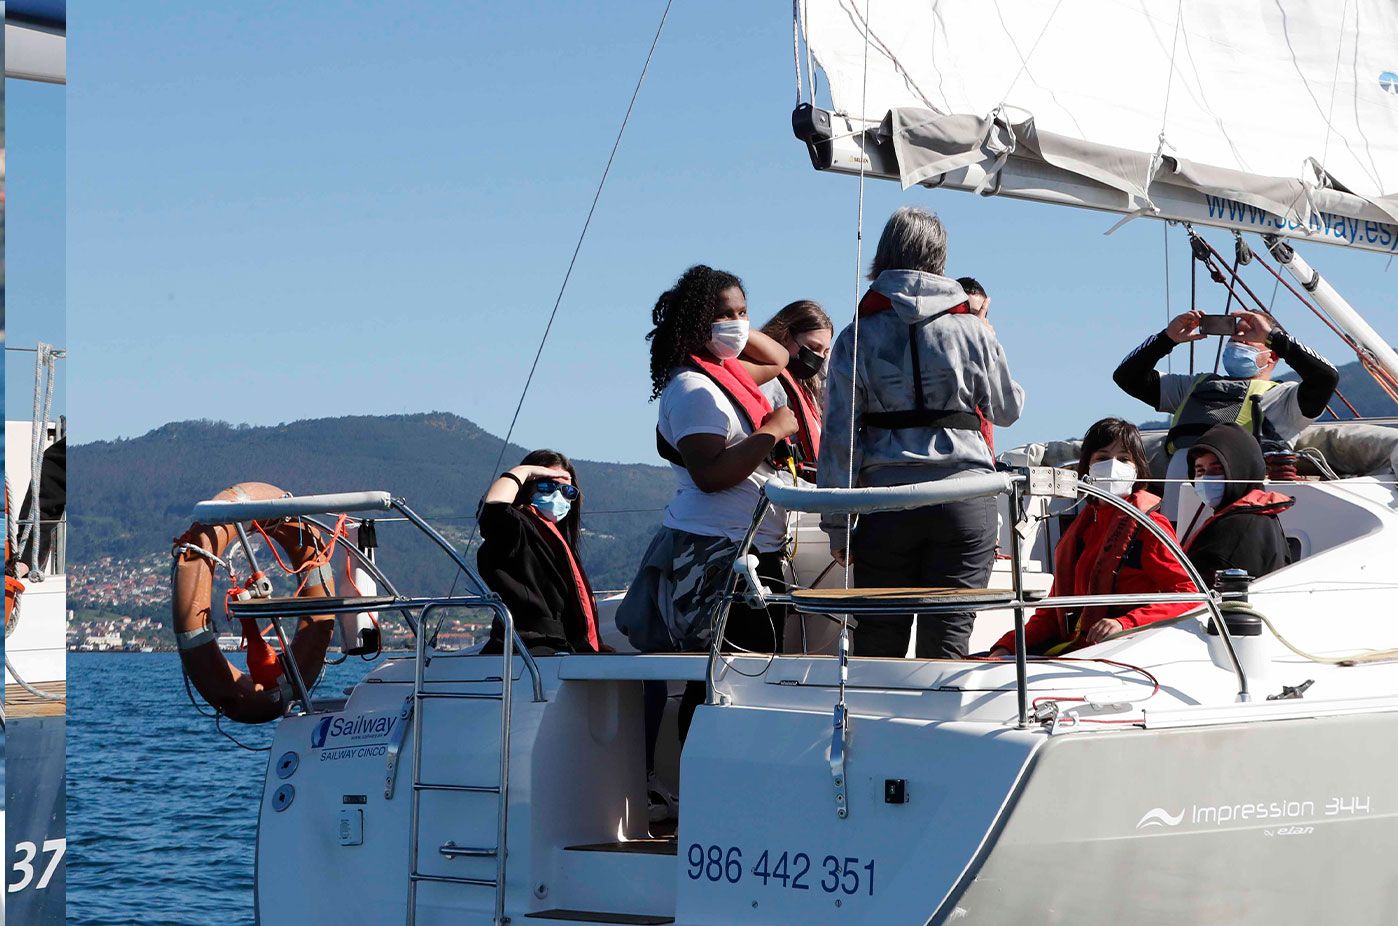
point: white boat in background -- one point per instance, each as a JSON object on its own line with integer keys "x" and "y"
{"x": 1232, "y": 765}
{"x": 35, "y": 662}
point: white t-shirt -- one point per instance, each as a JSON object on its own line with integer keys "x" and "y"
{"x": 692, "y": 404}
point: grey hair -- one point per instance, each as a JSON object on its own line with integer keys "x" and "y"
{"x": 912, "y": 239}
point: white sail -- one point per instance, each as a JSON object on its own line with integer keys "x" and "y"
{"x": 1289, "y": 109}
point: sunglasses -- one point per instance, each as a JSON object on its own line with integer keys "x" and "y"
{"x": 548, "y": 486}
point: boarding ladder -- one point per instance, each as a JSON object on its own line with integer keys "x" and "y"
{"x": 499, "y": 790}
{"x": 417, "y": 612}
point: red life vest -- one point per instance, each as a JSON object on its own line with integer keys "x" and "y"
{"x": 1107, "y": 567}
{"x": 808, "y": 438}
{"x": 875, "y": 302}
{"x": 580, "y": 586}
{"x": 1257, "y": 501}
{"x": 1099, "y": 541}
{"x": 734, "y": 381}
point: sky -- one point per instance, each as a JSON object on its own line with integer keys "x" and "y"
{"x": 35, "y": 214}
{"x": 286, "y": 211}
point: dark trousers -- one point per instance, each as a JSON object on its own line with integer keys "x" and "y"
{"x": 944, "y": 546}
{"x": 749, "y": 629}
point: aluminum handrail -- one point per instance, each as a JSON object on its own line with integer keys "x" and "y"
{"x": 1061, "y": 601}
{"x": 227, "y": 511}
{"x": 1014, "y": 484}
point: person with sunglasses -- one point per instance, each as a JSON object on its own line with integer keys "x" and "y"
{"x": 530, "y": 524}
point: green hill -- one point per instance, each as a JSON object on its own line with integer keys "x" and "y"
{"x": 130, "y": 497}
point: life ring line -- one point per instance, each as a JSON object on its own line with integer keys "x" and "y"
{"x": 257, "y": 695}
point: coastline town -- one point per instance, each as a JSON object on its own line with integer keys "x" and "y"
{"x": 122, "y": 605}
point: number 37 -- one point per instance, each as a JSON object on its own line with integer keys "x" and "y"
{"x": 24, "y": 863}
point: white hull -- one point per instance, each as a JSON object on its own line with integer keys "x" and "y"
{"x": 36, "y": 647}
{"x": 1214, "y": 810}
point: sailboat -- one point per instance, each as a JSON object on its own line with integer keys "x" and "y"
{"x": 35, "y": 562}
{"x": 1229, "y": 766}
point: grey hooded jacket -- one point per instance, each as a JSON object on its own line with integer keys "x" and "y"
{"x": 963, "y": 369}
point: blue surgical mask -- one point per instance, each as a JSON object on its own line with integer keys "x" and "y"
{"x": 1210, "y": 489}
{"x": 1240, "y": 360}
{"x": 552, "y": 505}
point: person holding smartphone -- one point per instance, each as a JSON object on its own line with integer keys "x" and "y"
{"x": 1244, "y": 393}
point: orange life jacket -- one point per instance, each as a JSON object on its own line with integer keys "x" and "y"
{"x": 1106, "y": 569}
{"x": 808, "y": 415}
{"x": 734, "y": 381}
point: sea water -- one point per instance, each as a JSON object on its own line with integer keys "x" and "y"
{"x": 162, "y": 809}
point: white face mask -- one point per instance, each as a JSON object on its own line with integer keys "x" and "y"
{"x": 728, "y": 338}
{"x": 1210, "y": 489}
{"x": 1115, "y": 476}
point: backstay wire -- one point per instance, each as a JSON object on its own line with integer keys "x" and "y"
{"x": 858, "y": 285}
{"x": 572, "y": 261}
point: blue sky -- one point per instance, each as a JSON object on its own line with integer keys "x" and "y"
{"x": 282, "y": 211}
{"x": 35, "y": 221}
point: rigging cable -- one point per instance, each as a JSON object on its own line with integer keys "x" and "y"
{"x": 1165, "y": 237}
{"x": 858, "y": 284}
{"x": 596, "y": 196}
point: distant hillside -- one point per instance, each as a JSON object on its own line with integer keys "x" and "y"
{"x": 1363, "y": 393}
{"x": 130, "y": 497}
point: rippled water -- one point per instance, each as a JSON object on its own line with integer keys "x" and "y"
{"x": 162, "y": 810}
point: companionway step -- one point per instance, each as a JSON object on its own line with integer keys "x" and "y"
{"x": 587, "y": 916}
{"x": 656, "y": 846}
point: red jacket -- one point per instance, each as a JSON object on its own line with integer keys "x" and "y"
{"x": 1104, "y": 552}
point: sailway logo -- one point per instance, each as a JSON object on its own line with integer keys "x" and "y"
{"x": 357, "y": 737}
{"x": 1157, "y": 816}
{"x": 1388, "y": 81}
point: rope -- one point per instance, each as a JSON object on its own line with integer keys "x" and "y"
{"x": 45, "y": 359}
{"x": 596, "y": 196}
{"x": 1161, "y": 144}
{"x": 11, "y": 530}
{"x": 796, "y": 46}
{"x": 41, "y": 695}
{"x": 1334, "y": 88}
{"x": 1024, "y": 63}
{"x": 1165, "y": 237}
{"x": 810, "y": 64}
{"x": 858, "y": 283}
{"x": 1348, "y": 659}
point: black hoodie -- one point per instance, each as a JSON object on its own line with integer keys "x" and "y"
{"x": 1244, "y": 532}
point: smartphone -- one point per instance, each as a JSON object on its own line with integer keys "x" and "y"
{"x": 1218, "y": 324}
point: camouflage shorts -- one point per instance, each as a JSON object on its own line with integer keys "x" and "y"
{"x": 699, "y": 576}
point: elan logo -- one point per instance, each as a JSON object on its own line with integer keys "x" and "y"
{"x": 1388, "y": 82}
{"x": 319, "y": 734}
{"x": 1157, "y": 816}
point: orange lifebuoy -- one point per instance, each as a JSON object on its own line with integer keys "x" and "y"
{"x": 258, "y": 695}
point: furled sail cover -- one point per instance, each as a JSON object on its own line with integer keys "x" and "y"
{"x": 1286, "y": 105}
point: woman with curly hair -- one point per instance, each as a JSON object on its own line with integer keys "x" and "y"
{"x": 719, "y": 432}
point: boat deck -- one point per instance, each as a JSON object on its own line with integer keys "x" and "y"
{"x": 20, "y": 703}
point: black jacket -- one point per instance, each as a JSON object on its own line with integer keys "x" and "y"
{"x": 522, "y": 566}
{"x": 1244, "y": 532}
{"x": 1137, "y": 377}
